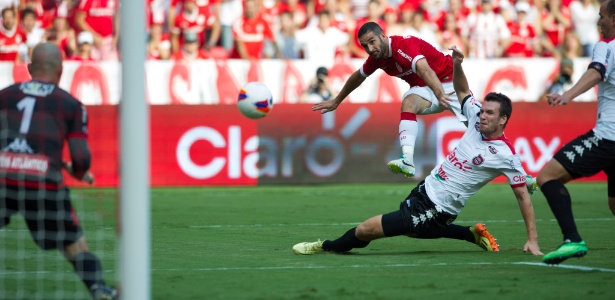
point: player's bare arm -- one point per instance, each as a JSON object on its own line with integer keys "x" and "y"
{"x": 460, "y": 81}
{"x": 353, "y": 82}
{"x": 590, "y": 78}
{"x": 527, "y": 211}
{"x": 433, "y": 82}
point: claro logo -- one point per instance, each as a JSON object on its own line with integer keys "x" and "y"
{"x": 234, "y": 161}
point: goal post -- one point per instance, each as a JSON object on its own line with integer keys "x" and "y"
{"x": 134, "y": 156}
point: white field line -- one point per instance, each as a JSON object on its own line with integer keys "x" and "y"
{"x": 276, "y": 268}
{"x": 357, "y": 223}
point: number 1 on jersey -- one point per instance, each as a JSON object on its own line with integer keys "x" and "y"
{"x": 27, "y": 105}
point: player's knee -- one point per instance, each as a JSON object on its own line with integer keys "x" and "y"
{"x": 414, "y": 104}
{"x": 366, "y": 231}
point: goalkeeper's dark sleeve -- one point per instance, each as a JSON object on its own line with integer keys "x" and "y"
{"x": 79, "y": 155}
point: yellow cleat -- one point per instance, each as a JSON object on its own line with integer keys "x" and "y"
{"x": 483, "y": 238}
{"x": 307, "y": 248}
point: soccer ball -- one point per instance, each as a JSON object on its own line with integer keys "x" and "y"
{"x": 254, "y": 100}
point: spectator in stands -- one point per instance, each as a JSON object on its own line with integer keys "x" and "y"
{"x": 584, "y": 15}
{"x": 523, "y": 37}
{"x": 85, "y": 40}
{"x": 562, "y": 81}
{"x": 230, "y": 12}
{"x": 485, "y": 33}
{"x": 101, "y": 18}
{"x": 374, "y": 14}
{"x": 158, "y": 44}
{"x": 422, "y": 29}
{"x": 391, "y": 18}
{"x": 285, "y": 38}
{"x": 571, "y": 46}
{"x": 555, "y": 21}
{"x": 450, "y": 35}
{"x": 61, "y": 34}
{"x": 319, "y": 89}
{"x": 190, "y": 50}
{"x": 320, "y": 43}
{"x": 156, "y": 11}
{"x": 34, "y": 34}
{"x": 339, "y": 12}
{"x": 300, "y": 16}
{"x": 360, "y": 8}
{"x": 406, "y": 10}
{"x": 12, "y": 38}
{"x": 192, "y": 19}
{"x": 250, "y": 33}
{"x": 176, "y": 6}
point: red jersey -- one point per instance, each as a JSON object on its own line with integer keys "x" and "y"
{"x": 521, "y": 36}
{"x": 155, "y": 12}
{"x": 195, "y": 22}
{"x": 99, "y": 15}
{"x": 252, "y": 32}
{"x": 404, "y": 53}
{"x": 10, "y": 41}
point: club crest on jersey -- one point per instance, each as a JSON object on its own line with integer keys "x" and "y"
{"x": 493, "y": 150}
{"x": 478, "y": 160}
{"x": 477, "y": 126}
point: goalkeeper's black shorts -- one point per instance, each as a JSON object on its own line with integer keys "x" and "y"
{"x": 50, "y": 217}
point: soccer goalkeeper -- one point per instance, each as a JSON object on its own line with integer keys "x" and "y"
{"x": 483, "y": 153}
{"x": 36, "y": 117}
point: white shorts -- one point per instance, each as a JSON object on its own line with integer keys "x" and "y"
{"x": 426, "y": 93}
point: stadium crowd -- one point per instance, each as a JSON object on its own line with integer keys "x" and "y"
{"x": 88, "y": 30}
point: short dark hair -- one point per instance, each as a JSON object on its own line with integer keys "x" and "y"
{"x": 610, "y": 7}
{"x": 370, "y": 27}
{"x": 27, "y": 11}
{"x": 505, "y": 104}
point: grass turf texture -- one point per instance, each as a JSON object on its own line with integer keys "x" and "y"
{"x": 235, "y": 243}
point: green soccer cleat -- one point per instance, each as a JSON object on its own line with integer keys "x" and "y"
{"x": 531, "y": 183}
{"x": 401, "y": 166}
{"x": 307, "y": 248}
{"x": 483, "y": 238}
{"x": 567, "y": 250}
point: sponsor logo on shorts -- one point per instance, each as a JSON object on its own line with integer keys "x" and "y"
{"x": 33, "y": 164}
{"x": 519, "y": 178}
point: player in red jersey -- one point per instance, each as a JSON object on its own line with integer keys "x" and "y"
{"x": 428, "y": 72}
{"x": 36, "y": 119}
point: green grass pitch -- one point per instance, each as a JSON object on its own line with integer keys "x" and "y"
{"x": 235, "y": 243}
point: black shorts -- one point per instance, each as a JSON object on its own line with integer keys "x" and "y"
{"x": 587, "y": 155}
{"x": 50, "y": 216}
{"x": 418, "y": 215}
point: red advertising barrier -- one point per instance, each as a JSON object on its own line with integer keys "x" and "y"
{"x": 216, "y": 145}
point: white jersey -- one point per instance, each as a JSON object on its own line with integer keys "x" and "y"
{"x": 604, "y": 53}
{"x": 473, "y": 163}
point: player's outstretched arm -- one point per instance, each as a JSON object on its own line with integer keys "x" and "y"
{"x": 353, "y": 82}
{"x": 460, "y": 82}
{"x": 590, "y": 78}
{"x": 433, "y": 82}
{"x": 527, "y": 211}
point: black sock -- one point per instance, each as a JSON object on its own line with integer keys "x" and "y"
{"x": 345, "y": 243}
{"x": 451, "y": 231}
{"x": 88, "y": 268}
{"x": 559, "y": 200}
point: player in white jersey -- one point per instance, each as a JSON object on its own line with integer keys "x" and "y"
{"x": 483, "y": 153}
{"x": 589, "y": 153}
